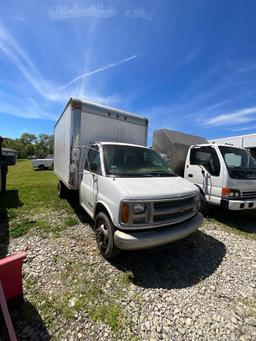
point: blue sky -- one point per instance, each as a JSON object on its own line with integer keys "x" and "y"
{"x": 186, "y": 65}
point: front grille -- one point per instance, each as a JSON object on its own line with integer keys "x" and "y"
{"x": 174, "y": 210}
{"x": 249, "y": 195}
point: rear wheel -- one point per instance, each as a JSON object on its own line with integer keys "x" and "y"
{"x": 104, "y": 233}
{"x": 62, "y": 190}
{"x": 41, "y": 167}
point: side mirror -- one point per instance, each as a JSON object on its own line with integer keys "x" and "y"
{"x": 75, "y": 154}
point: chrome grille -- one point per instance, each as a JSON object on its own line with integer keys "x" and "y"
{"x": 249, "y": 195}
{"x": 174, "y": 210}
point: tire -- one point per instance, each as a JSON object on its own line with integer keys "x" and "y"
{"x": 41, "y": 167}
{"x": 104, "y": 235}
{"x": 62, "y": 190}
{"x": 204, "y": 206}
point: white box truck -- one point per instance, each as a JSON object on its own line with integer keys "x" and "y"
{"x": 129, "y": 191}
{"x": 224, "y": 174}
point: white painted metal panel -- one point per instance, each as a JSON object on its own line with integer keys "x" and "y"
{"x": 99, "y": 128}
{"x": 249, "y": 141}
{"x": 241, "y": 141}
{"x": 62, "y": 145}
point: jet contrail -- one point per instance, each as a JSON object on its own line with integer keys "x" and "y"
{"x": 103, "y": 68}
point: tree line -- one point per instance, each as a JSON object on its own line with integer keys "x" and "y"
{"x": 30, "y": 145}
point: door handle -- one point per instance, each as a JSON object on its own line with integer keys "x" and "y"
{"x": 190, "y": 175}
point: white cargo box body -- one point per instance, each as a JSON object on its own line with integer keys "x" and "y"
{"x": 83, "y": 123}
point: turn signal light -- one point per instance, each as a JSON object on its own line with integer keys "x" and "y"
{"x": 226, "y": 191}
{"x": 124, "y": 213}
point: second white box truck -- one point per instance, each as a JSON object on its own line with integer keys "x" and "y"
{"x": 134, "y": 198}
{"x": 224, "y": 174}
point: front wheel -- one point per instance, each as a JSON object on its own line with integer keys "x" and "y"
{"x": 104, "y": 233}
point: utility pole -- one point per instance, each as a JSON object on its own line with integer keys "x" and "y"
{"x": 3, "y": 168}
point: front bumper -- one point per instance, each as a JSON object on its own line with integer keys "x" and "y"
{"x": 147, "y": 239}
{"x": 237, "y": 205}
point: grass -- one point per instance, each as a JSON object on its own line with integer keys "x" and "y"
{"x": 127, "y": 277}
{"x": 80, "y": 295}
{"x": 111, "y": 314}
{"x": 32, "y": 195}
{"x": 21, "y": 229}
{"x": 70, "y": 221}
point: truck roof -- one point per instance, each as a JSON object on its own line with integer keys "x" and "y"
{"x": 217, "y": 144}
{"x": 120, "y": 144}
{"x": 94, "y": 106}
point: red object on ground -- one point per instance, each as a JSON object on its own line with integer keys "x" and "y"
{"x": 11, "y": 276}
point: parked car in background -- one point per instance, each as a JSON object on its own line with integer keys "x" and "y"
{"x": 134, "y": 198}
{"x": 42, "y": 164}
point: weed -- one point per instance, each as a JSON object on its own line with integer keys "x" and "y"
{"x": 22, "y": 228}
{"x": 127, "y": 277}
{"x": 70, "y": 221}
{"x": 111, "y": 314}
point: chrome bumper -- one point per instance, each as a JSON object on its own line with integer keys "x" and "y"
{"x": 147, "y": 239}
{"x": 237, "y": 205}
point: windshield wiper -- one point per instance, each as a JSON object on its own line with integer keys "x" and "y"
{"x": 160, "y": 173}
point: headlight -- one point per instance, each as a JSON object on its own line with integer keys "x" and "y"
{"x": 230, "y": 193}
{"x": 139, "y": 208}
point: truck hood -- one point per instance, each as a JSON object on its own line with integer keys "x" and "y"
{"x": 242, "y": 184}
{"x": 155, "y": 188}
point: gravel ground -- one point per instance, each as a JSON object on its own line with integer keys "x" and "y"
{"x": 201, "y": 288}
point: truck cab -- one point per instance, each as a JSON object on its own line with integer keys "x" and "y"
{"x": 135, "y": 199}
{"x": 225, "y": 175}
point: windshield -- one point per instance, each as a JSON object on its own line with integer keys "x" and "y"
{"x": 240, "y": 163}
{"x": 129, "y": 161}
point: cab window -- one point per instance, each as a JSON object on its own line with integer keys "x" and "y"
{"x": 206, "y": 157}
{"x": 92, "y": 162}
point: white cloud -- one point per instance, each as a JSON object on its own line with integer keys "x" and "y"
{"x": 242, "y": 66}
{"x": 98, "y": 11}
{"x": 244, "y": 128}
{"x": 101, "y": 69}
{"x": 139, "y": 13}
{"x": 241, "y": 116}
{"x": 18, "y": 17}
{"x": 64, "y": 12}
{"x": 10, "y": 48}
{"x": 12, "y": 51}
{"x": 192, "y": 55}
{"x": 23, "y": 107}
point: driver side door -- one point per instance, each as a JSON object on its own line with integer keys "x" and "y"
{"x": 89, "y": 184}
{"x": 204, "y": 169}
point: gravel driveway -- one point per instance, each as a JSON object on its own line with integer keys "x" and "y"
{"x": 201, "y": 288}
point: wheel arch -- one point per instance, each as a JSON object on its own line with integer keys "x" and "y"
{"x": 102, "y": 207}
{"x": 200, "y": 189}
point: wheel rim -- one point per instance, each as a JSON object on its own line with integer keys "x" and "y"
{"x": 102, "y": 236}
